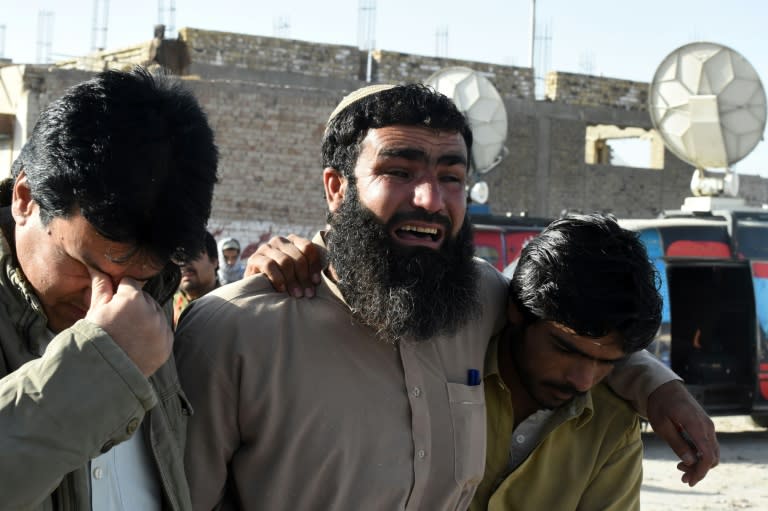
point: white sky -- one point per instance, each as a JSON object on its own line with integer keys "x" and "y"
{"x": 616, "y": 38}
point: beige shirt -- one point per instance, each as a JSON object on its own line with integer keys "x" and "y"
{"x": 307, "y": 410}
{"x": 299, "y": 407}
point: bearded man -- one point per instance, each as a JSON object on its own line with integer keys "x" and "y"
{"x": 369, "y": 396}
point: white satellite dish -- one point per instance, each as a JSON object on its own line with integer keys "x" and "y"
{"x": 708, "y": 104}
{"x": 480, "y": 102}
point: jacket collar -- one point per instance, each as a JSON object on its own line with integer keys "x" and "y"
{"x": 17, "y": 293}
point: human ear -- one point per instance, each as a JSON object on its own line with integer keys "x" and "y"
{"x": 22, "y": 203}
{"x": 335, "y": 187}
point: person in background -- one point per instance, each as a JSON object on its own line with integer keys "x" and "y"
{"x": 113, "y": 186}
{"x": 231, "y": 268}
{"x": 198, "y": 277}
{"x": 583, "y": 297}
{"x": 378, "y": 379}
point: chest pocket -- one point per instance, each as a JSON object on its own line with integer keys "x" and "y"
{"x": 468, "y": 418}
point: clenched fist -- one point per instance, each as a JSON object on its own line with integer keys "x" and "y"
{"x": 133, "y": 319}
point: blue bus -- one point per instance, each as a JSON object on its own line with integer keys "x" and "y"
{"x": 714, "y": 280}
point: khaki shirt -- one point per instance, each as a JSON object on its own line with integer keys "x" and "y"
{"x": 304, "y": 408}
{"x": 298, "y": 406}
{"x": 589, "y": 455}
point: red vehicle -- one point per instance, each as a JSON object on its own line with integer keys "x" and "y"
{"x": 499, "y": 239}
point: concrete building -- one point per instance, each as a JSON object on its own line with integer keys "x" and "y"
{"x": 268, "y": 99}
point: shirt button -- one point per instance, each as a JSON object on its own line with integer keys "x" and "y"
{"x": 416, "y": 391}
{"x": 421, "y": 454}
{"x": 520, "y": 439}
{"x": 98, "y": 473}
{"x": 132, "y": 426}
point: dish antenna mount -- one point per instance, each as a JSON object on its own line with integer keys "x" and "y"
{"x": 477, "y": 98}
{"x": 708, "y": 104}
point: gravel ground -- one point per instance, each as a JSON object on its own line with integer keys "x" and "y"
{"x": 739, "y": 482}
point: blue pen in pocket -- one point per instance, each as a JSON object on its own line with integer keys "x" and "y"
{"x": 473, "y": 377}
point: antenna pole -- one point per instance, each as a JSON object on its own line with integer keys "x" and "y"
{"x": 99, "y": 27}
{"x": 44, "y": 36}
{"x": 441, "y": 41}
{"x": 172, "y": 18}
{"x": 366, "y": 33}
{"x": 533, "y": 33}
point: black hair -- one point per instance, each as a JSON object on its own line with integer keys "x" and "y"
{"x": 589, "y": 274}
{"x": 134, "y": 154}
{"x": 210, "y": 246}
{"x": 410, "y": 105}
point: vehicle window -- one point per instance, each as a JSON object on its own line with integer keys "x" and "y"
{"x": 752, "y": 240}
{"x": 701, "y": 241}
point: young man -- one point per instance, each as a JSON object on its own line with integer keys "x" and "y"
{"x": 361, "y": 397}
{"x": 231, "y": 268}
{"x": 92, "y": 221}
{"x": 583, "y": 297}
{"x": 198, "y": 277}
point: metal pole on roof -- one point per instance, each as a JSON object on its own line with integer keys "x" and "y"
{"x": 366, "y": 33}
{"x": 533, "y": 33}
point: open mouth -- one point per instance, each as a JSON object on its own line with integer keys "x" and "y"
{"x": 419, "y": 234}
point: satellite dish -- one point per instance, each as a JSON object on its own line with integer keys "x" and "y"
{"x": 708, "y": 104}
{"x": 480, "y": 102}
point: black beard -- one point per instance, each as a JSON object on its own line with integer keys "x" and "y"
{"x": 402, "y": 292}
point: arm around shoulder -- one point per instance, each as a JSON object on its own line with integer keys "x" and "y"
{"x": 637, "y": 377}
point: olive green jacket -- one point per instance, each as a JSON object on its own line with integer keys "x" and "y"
{"x": 64, "y": 406}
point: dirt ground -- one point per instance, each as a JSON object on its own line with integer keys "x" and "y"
{"x": 739, "y": 482}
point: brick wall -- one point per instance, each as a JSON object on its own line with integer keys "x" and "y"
{"x": 270, "y": 170}
{"x": 545, "y": 172}
{"x": 586, "y": 90}
{"x": 123, "y": 58}
{"x": 393, "y": 67}
{"x": 242, "y": 51}
{"x": 268, "y": 121}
